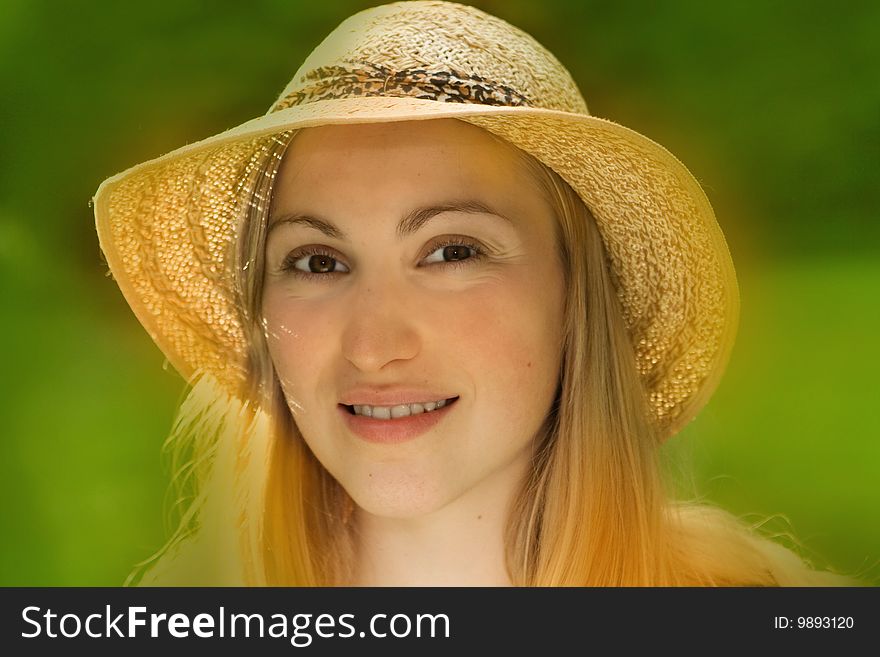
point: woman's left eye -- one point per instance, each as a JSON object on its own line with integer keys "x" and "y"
{"x": 453, "y": 252}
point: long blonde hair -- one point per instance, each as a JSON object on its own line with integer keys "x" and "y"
{"x": 593, "y": 510}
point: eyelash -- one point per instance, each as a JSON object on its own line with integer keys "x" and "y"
{"x": 288, "y": 264}
{"x": 478, "y": 252}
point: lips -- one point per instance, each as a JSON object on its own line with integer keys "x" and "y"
{"x": 393, "y": 397}
{"x": 395, "y": 429}
{"x": 398, "y": 410}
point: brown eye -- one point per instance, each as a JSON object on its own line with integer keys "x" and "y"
{"x": 321, "y": 264}
{"x": 457, "y": 252}
{"x": 454, "y": 252}
{"x": 313, "y": 264}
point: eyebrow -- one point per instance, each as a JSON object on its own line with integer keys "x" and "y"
{"x": 410, "y": 223}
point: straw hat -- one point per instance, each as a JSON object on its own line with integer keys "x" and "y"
{"x": 167, "y": 226}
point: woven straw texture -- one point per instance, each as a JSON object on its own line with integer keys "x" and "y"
{"x": 168, "y": 226}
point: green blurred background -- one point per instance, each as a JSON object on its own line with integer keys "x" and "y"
{"x": 775, "y": 107}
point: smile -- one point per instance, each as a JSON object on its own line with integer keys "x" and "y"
{"x": 395, "y": 424}
{"x": 398, "y": 410}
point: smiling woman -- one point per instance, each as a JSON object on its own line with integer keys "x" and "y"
{"x": 433, "y": 343}
{"x": 438, "y": 321}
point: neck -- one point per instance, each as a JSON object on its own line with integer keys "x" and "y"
{"x": 460, "y": 544}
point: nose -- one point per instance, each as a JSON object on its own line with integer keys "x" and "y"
{"x": 380, "y": 326}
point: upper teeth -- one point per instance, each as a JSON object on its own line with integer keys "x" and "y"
{"x": 401, "y": 410}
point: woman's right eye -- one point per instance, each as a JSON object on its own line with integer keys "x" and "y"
{"x": 309, "y": 263}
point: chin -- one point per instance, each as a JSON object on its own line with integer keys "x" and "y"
{"x": 400, "y": 497}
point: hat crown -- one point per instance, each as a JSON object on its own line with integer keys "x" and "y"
{"x": 437, "y": 51}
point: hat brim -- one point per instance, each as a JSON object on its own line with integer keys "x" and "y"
{"x": 166, "y": 227}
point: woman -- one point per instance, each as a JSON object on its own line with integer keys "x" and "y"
{"x": 438, "y": 321}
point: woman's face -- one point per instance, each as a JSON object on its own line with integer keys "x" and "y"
{"x": 407, "y": 264}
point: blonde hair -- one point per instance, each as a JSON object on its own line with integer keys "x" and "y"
{"x": 593, "y": 510}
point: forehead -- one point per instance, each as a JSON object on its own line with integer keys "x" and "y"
{"x": 397, "y": 164}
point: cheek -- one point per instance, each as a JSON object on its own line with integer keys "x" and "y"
{"x": 297, "y": 341}
{"x": 510, "y": 337}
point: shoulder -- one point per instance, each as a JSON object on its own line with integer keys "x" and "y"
{"x": 715, "y": 548}
{"x": 189, "y": 563}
